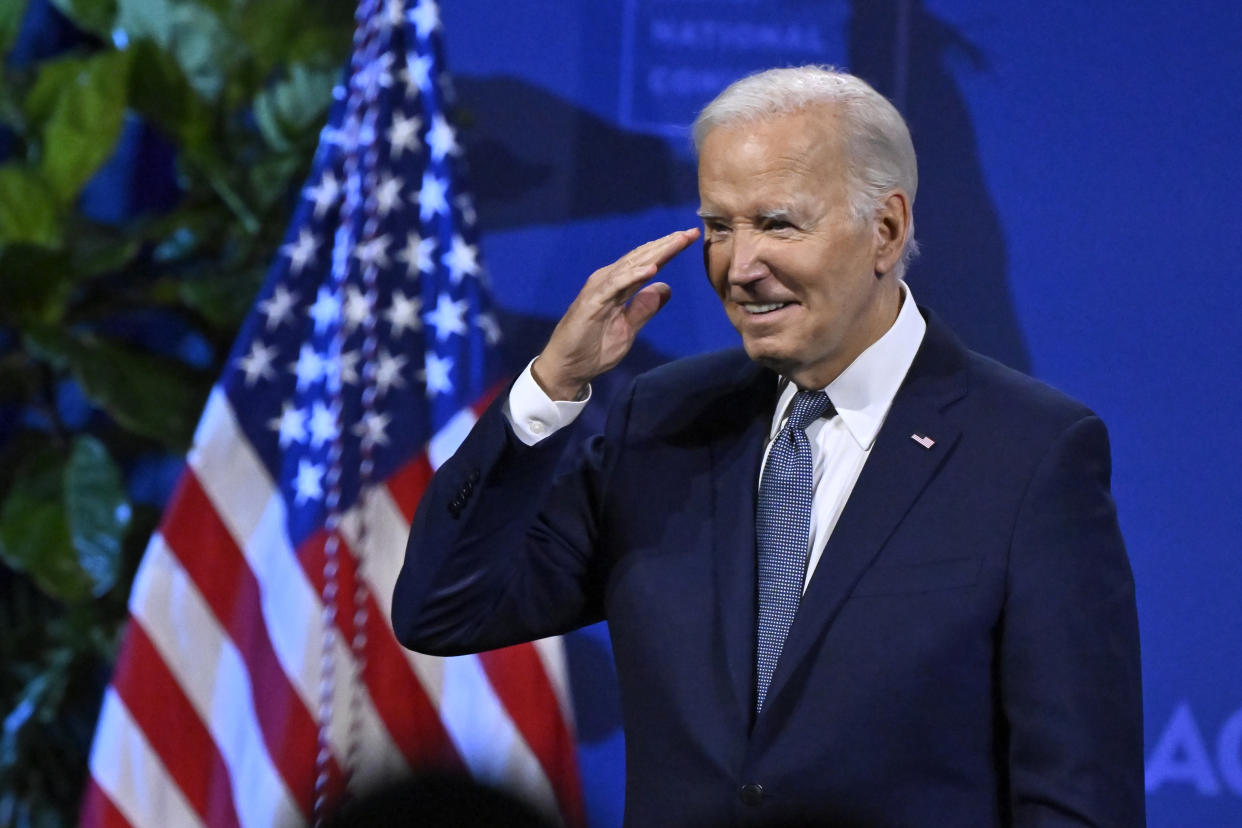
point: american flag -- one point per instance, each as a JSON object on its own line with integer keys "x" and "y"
{"x": 259, "y": 679}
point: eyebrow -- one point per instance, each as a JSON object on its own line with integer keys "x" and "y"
{"x": 777, "y": 213}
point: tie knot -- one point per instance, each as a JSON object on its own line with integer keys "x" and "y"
{"x": 808, "y": 406}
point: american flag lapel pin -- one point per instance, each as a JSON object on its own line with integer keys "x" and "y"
{"x": 925, "y": 442}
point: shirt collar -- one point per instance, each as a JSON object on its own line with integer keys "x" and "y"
{"x": 864, "y": 391}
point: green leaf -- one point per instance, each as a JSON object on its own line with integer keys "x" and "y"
{"x": 207, "y": 51}
{"x": 54, "y": 74}
{"x": 98, "y": 512}
{"x": 35, "y": 705}
{"x": 12, "y": 115}
{"x": 150, "y": 19}
{"x": 96, "y": 16}
{"x": 85, "y": 121}
{"x": 146, "y": 394}
{"x": 192, "y": 33}
{"x": 28, "y": 211}
{"x": 274, "y": 178}
{"x": 100, "y": 250}
{"x": 288, "y": 31}
{"x": 11, "y": 14}
{"x": 158, "y": 91}
{"x": 36, "y": 284}
{"x": 285, "y": 111}
{"x": 34, "y": 529}
{"x": 223, "y": 299}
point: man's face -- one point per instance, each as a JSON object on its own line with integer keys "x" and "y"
{"x": 797, "y": 273}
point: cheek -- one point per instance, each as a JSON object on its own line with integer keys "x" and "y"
{"x": 716, "y": 266}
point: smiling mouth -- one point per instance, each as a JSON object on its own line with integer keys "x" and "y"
{"x": 761, "y": 308}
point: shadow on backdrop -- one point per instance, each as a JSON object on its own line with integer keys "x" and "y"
{"x": 962, "y": 271}
{"x": 536, "y": 158}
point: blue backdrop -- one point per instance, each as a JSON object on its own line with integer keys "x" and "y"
{"x": 1078, "y": 164}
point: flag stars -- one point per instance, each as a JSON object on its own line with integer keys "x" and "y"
{"x": 441, "y": 138}
{"x": 309, "y": 481}
{"x": 278, "y": 307}
{"x": 403, "y": 134}
{"x": 349, "y": 366}
{"x": 466, "y": 206}
{"x": 448, "y": 317}
{"x": 374, "y": 252}
{"x": 394, "y": 11}
{"x": 486, "y": 322}
{"x": 373, "y": 429}
{"x": 326, "y": 310}
{"x": 301, "y": 252}
{"x": 431, "y": 197}
{"x": 417, "y": 75}
{"x": 388, "y": 372}
{"x": 257, "y": 364}
{"x": 350, "y": 134}
{"x": 325, "y": 194}
{"x": 309, "y": 368}
{"x": 375, "y": 75}
{"x": 357, "y": 307}
{"x": 388, "y": 193}
{"x": 403, "y": 313}
{"x": 416, "y": 255}
{"x": 462, "y": 260}
{"x": 437, "y": 372}
{"x": 322, "y": 424}
{"x": 291, "y": 425}
{"x": 425, "y": 17}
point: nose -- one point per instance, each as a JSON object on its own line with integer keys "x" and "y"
{"x": 745, "y": 265}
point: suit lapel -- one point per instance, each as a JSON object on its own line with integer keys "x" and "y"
{"x": 895, "y": 474}
{"x": 736, "y": 450}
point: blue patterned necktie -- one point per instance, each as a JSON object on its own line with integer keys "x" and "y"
{"x": 783, "y": 527}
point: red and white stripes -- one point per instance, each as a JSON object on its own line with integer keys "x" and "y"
{"x": 209, "y": 719}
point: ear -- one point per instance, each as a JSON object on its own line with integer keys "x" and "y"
{"x": 892, "y": 226}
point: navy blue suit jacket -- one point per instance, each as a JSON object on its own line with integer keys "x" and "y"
{"x": 966, "y": 653}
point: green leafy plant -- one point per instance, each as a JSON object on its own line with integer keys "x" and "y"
{"x": 94, "y": 310}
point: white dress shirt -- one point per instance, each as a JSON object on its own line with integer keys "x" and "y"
{"x": 862, "y": 395}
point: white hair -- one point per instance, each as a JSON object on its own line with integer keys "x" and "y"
{"x": 879, "y": 153}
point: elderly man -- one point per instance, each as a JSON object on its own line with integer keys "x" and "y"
{"x": 857, "y": 575}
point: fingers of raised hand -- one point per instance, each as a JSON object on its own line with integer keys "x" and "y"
{"x": 658, "y": 251}
{"x": 625, "y": 275}
{"x": 645, "y": 303}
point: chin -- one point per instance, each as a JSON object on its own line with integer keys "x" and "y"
{"x": 769, "y": 357}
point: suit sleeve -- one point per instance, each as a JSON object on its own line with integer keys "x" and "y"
{"x": 1070, "y": 676}
{"x": 502, "y": 546}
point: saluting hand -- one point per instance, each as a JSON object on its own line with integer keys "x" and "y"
{"x": 599, "y": 328}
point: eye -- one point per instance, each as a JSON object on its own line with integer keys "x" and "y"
{"x": 776, "y": 223}
{"x": 714, "y": 228}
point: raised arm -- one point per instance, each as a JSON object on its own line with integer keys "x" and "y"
{"x": 501, "y": 550}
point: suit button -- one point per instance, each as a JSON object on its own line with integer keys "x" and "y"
{"x": 751, "y": 794}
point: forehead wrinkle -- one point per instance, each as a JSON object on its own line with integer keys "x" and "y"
{"x": 758, "y": 174}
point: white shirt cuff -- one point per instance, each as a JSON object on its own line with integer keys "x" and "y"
{"x": 535, "y": 416}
